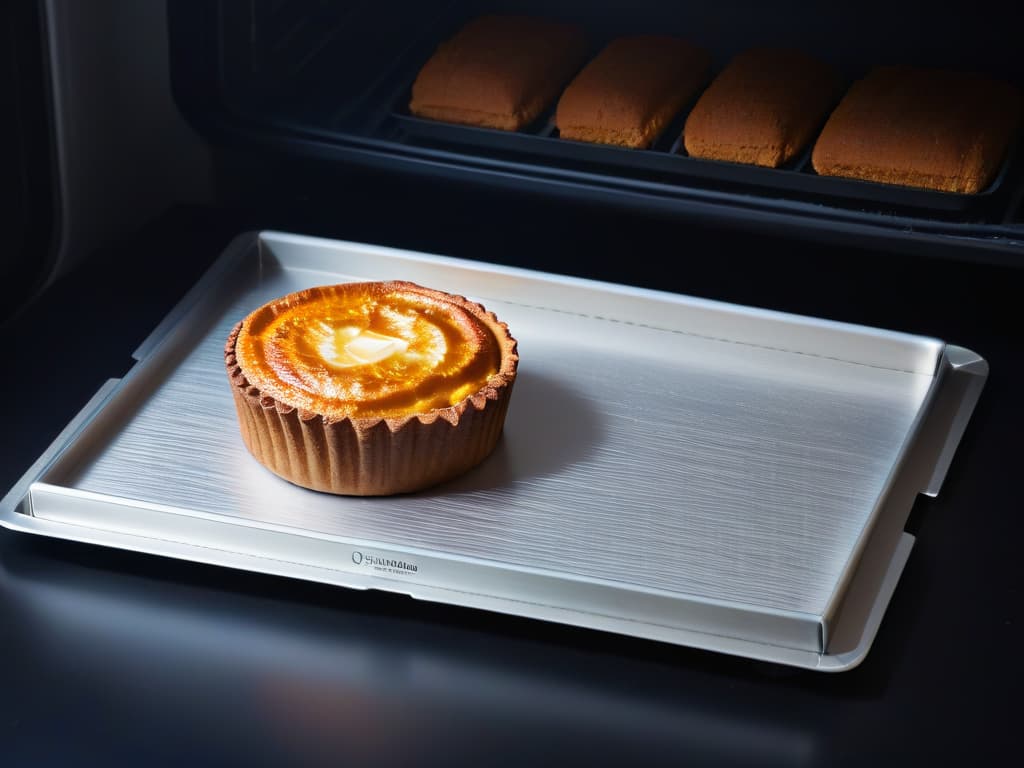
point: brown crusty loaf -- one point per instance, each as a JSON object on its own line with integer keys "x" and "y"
{"x": 928, "y": 128}
{"x": 498, "y": 72}
{"x": 631, "y": 90}
{"x": 762, "y": 109}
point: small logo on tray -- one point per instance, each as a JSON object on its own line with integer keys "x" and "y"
{"x": 384, "y": 564}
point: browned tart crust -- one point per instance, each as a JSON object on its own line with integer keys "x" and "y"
{"x": 371, "y": 388}
{"x": 763, "y": 109}
{"x": 498, "y": 71}
{"x": 927, "y": 128}
{"x": 632, "y": 90}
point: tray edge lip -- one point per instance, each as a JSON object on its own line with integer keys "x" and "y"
{"x": 683, "y": 638}
{"x": 237, "y": 249}
{"x": 15, "y": 496}
{"x": 933, "y": 344}
{"x": 973, "y": 366}
{"x": 434, "y": 558}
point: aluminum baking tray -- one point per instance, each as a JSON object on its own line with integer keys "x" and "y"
{"x": 672, "y": 468}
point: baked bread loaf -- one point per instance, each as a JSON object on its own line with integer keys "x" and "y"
{"x": 498, "y": 72}
{"x": 927, "y": 128}
{"x": 632, "y": 90}
{"x": 764, "y": 108}
{"x": 370, "y": 388}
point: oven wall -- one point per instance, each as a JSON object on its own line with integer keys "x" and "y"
{"x": 123, "y": 151}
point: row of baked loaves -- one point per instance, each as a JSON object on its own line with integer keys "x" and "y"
{"x": 928, "y": 128}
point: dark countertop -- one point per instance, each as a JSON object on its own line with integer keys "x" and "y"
{"x": 116, "y": 658}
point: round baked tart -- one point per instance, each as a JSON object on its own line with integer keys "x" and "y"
{"x": 371, "y": 388}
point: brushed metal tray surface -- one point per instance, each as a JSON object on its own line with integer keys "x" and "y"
{"x": 672, "y": 468}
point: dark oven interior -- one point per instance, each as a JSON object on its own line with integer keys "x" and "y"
{"x": 329, "y": 83}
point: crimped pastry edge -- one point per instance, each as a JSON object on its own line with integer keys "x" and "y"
{"x": 375, "y": 456}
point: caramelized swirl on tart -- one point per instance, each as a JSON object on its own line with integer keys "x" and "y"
{"x": 371, "y": 388}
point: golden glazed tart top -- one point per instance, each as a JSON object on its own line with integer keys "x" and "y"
{"x": 378, "y": 350}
